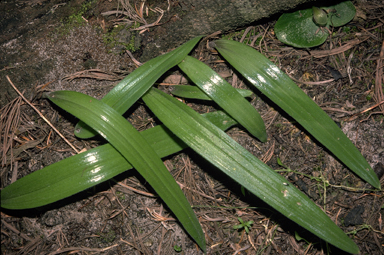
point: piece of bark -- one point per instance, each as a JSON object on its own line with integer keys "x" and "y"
{"x": 189, "y": 18}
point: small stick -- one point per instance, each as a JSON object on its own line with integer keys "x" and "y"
{"x": 133, "y": 58}
{"x": 42, "y": 116}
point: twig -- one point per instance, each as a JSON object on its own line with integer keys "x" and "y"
{"x": 198, "y": 192}
{"x": 12, "y": 228}
{"x": 42, "y": 116}
{"x": 326, "y": 53}
{"x": 10, "y": 119}
{"x": 136, "y": 190}
{"x": 144, "y": 27}
{"x": 361, "y": 112}
{"x": 312, "y": 82}
{"x": 133, "y": 58}
{"x": 378, "y": 96}
{"x": 93, "y": 74}
{"x": 78, "y": 249}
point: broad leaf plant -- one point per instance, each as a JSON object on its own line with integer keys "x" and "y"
{"x": 311, "y": 27}
{"x": 183, "y": 127}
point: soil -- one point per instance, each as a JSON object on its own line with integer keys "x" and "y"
{"x": 43, "y": 49}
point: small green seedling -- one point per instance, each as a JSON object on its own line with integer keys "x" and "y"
{"x": 177, "y": 248}
{"x": 246, "y": 225}
{"x": 280, "y": 163}
{"x": 310, "y": 27}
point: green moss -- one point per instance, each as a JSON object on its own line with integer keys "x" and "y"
{"x": 112, "y": 40}
{"x": 120, "y": 195}
{"x": 107, "y": 237}
{"x": 76, "y": 18}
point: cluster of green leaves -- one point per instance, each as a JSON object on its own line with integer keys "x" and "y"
{"x": 310, "y": 27}
{"x": 244, "y": 224}
{"x": 183, "y": 127}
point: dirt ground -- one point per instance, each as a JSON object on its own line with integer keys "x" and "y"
{"x": 44, "y": 46}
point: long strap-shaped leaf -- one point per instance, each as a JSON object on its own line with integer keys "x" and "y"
{"x": 188, "y": 91}
{"x": 132, "y": 87}
{"x": 81, "y": 171}
{"x": 225, "y": 96}
{"x": 278, "y": 87}
{"x": 135, "y": 149}
{"x": 223, "y": 152}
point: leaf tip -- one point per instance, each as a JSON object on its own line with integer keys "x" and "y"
{"x": 263, "y": 138}
{"x": 46, "y": 95}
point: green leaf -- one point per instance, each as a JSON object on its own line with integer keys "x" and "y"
{"x": 64, "y": 178}
{"x": 242, "y": 189}
{"x": 299, "y": 30}
{"x": 135, "y": 149}
{"x": 194, "y": 92}
{"x": 320, "y": 17}
{"x": 280, "y": 163}
{"x": 298, "y": 237}
{"x": 177, "y": 248}
{"x": 132, "y": 87}
{"x": 278, "y": 87}
{"x": 238, "y": 226}
{"x": 223, "y": 152}
{"x": 225, "y": 96}
{"x": 79, "y": 172}
{"x": 220, "y": 119}
{"x": 341, "y": 13}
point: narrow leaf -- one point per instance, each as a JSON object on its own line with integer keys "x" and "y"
{"x": 225, "y": 96}
{"x": 194, "y": 92}
{"x": 238, "y": 163}
{"x": 278, "y": 87}
{"x": 82, "y": 171}
{"x": 220, "y": 119}
{"x": 132, "y": 87}
{"x": 135, "y": 149}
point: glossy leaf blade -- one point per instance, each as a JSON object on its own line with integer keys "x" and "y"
{"x": 225, "y": 96}
{"x": 135, "y": 149}
{"x": 238, "y": 163}
{"x": 132, "y": 87}
{"x": 220, "y": 119}
{"x": 82, "y": 171}
{"x": 64, "y": 178}
{"x": 298, "y": 29}
{"x": 278, "y": 87}
{"x": 193, "y": 92}
{"x": 341, "y": 13}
